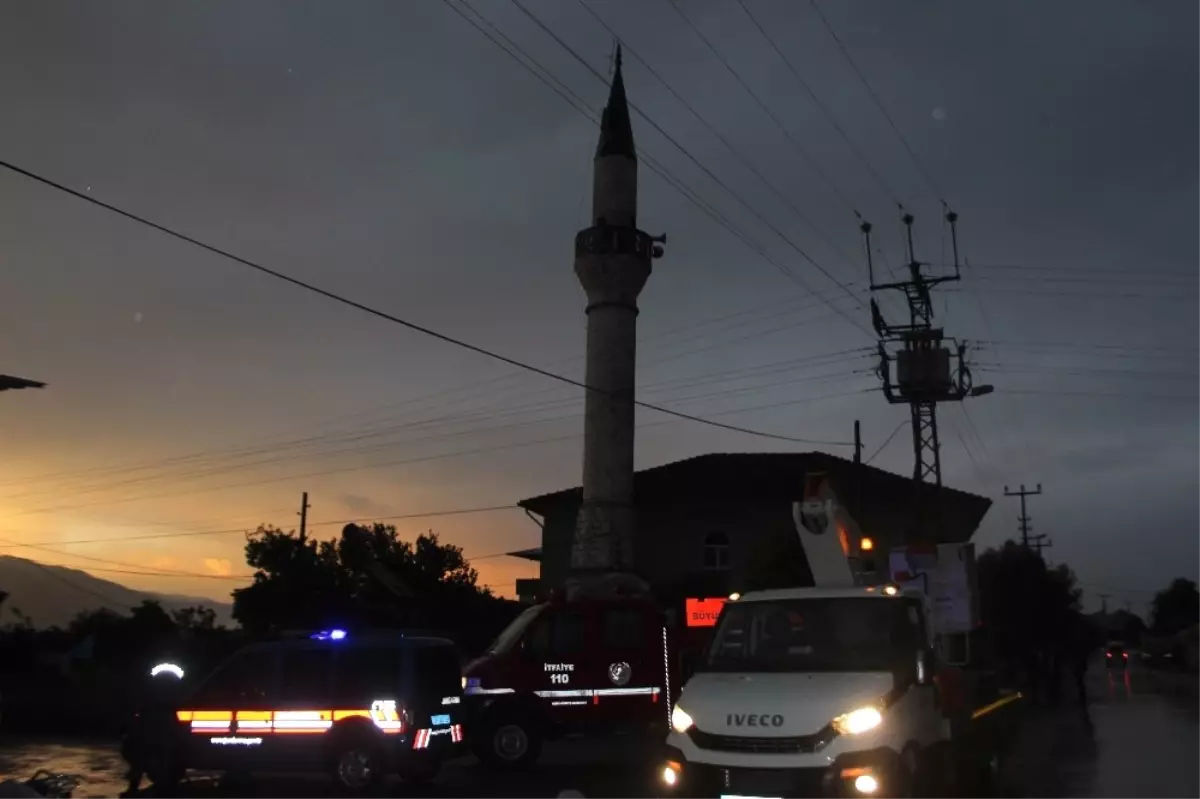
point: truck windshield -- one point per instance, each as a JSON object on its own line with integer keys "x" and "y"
{"x": 513, "y": 632}
{"x": 819, "y": 634}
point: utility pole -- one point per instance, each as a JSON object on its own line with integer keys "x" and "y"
{"x": 303, "y": 514}
{"x": 1023, "y": 519}
{"x": 924, "y": 375}
{"x": 857, "y": 468}
{"x": 1104, "y": 603}
{"x": 1040, "y": 542}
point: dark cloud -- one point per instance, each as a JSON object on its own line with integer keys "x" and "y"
{"x": 390, "y": 152}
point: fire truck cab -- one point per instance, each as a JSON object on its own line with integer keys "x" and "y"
{"x": 578, "y": 666}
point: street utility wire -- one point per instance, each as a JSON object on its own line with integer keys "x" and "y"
{"x": 687, "y": 153}
{"x": 393, "y": 318}
{"x": 796, "y": 145}
{"x": 244, "y": 530}
{"x": 886, "y": 441}
{"x": 937, "y": 193}
{"x": 511, "y": 48}
{"x": 824, "y": 109}
{"x": 709, "y": 126}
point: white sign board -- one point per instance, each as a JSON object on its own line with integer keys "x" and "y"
{"x": 948, "y": 576}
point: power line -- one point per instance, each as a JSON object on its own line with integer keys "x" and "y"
{"x": 412, "y": 460}
{"x": 243, "y": 530}
{"x": 1152, "y": 274}
{"x": 511, "y": 49}
{"x": 56, "y": 575}
{"x": 1106, "y": 394}
{"x": 391, "y": 317}
{"x": 1082, "y": 371}
{"x": 1032, "y": 291}
{"x": 1088, "y": 280}
{"x": 268, "y": 444}
{"x": 752, "y": 409}
{"x": 728, "y": 145}
{"x": 937, "y": 193}
{"x": 149, "y": 571}
{"x": 886, "y": 441}
{"x": 824, "y": 109}
{"x": 1086, "y": 345}
{"x": 757, "y": 214}
{"x": 799, "y": 148}
{"x": 356, "y": 450}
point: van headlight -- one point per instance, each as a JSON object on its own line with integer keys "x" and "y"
{"x": 680, "y": 721}
{"x": 858, "y": 721}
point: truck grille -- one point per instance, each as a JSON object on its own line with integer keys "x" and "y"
{"x": 789, "y": 745}
{"x": 706, "y": 780}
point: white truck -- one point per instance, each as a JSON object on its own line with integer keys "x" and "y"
{"x": 829, "y": 690}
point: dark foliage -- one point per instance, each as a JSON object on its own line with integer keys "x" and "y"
{"x": 366, "y": 578}
{"x": 1176, "y": 607}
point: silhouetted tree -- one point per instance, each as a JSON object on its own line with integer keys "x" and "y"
{"x": 1176, "y": 607}
{"x": 95, "y": 620}
{"x": 368, "y": 576}
{"x": 1026, "y": 606}
{"x": 195, "y": 618}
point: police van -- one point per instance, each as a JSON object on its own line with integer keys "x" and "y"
{"x": 356, "y": 706}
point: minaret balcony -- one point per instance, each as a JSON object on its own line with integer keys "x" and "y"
{"x": 608, "y": 240}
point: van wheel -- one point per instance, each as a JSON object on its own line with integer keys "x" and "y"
{"x": 508, "y": 743}
{"x": 357, "y": 763}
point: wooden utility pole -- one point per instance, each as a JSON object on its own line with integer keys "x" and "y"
{"x": 1023, "y": 519}
{"x": 303, "y": 514}
{"x": 1040, "y": 542}
{"x": 857, "y": 441}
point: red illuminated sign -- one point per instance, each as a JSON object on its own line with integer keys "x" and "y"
{"x": 703, "y": 612}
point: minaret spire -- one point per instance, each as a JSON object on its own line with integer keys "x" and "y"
{"x": 616, "y": 129}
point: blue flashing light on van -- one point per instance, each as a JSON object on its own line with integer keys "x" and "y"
{"x": 329, "y": 635}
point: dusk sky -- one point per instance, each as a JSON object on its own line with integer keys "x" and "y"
{"x": 389, "y": 152}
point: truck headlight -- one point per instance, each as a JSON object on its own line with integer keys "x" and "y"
{"x": 680, "y": 721}
{"x": 858, "y": 721}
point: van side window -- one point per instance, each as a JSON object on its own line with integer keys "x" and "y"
{"x": 247, "y": 681}
{"x": 306, "y": 675}
{"x": 557, "y": 634}
{"x": 365, "y": 674}
{"x": 623, "y": 629}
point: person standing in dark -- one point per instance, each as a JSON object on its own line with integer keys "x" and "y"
{"x": 150, "y": 731}
{"x": 1081, "y": 652}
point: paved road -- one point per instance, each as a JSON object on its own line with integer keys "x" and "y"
{"x": 616, "y": 770}
{"x": 1140, "y": 738}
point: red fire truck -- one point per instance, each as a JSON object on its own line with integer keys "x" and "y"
{"x": 570, "y": 666}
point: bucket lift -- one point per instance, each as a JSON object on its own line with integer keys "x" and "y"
{"x": 838, "y": 554}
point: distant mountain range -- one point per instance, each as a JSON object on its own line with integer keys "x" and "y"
{"x": 54, "y": 595}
